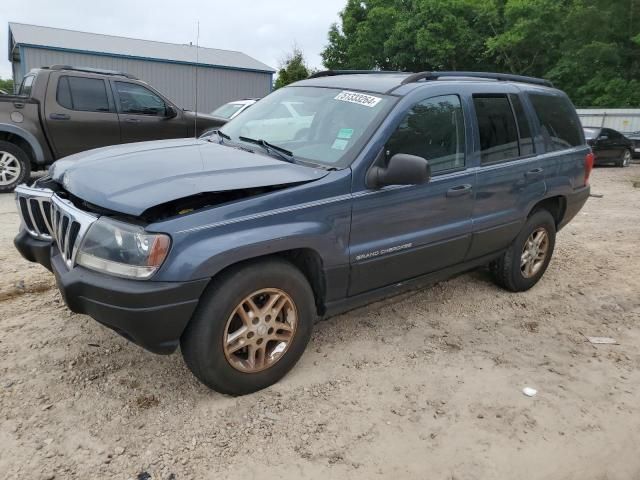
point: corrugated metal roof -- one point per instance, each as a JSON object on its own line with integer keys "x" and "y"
{"x": 59, "y": 38}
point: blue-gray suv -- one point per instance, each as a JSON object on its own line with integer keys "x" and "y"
{"x": 328, "y": 194}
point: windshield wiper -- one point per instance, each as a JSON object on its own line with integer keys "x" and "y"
{"x": 283, "y": 153}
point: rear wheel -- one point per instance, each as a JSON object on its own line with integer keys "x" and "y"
{"x": 528, "y": 257}
{"x": 15, "y": 166}
{"x": 251, "y": 327}
{"x": 625, "y": 160}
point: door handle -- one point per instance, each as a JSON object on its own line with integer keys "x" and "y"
{"x": 132, "y": 120}
{"x": 459, "y": 190}
{"x": 535, "y": 173}
{"x": 60, "y": 116}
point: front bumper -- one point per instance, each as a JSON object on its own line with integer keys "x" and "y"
{"x": 150, "y": 314}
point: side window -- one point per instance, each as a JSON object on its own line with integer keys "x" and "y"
{"x": 497, "y": 126}
{"x": 63, "y": 93}
{"x": 615, "y": 135}
{"x": 559, "y": 124}
{"x": 526, "y": 141}
{"x": 433, "y": 129}
{"x": 139, "y": 100}
{"x": 25, "y": 86}
{"x": 84, "y": 94}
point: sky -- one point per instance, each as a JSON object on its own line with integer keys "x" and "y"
{"x": 265, "y": 30}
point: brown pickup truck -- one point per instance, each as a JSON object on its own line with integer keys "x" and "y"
{"x": 62, "y": 110}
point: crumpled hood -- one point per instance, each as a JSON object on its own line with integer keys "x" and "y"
{"x": 132, "y": 178}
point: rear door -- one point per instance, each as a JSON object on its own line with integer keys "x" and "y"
{"x": 510, "y": 176}
{"x": 79, "y": 113}
{"x": 401, "y": 232}
{"x": 144, "y": 114}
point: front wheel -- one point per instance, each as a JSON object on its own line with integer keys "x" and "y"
{"x": 528, "y": 257}
{"x": 625, "y": 161}
{"x": 15, "y": 166}
{"x": 250, "y": 328}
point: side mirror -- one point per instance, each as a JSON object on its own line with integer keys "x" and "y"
{"x": 403, "y": 169}
{"x": 170, "y": 112}
{"x": 603, "y": 137}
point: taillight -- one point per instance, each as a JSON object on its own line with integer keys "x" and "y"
{"x": 588, "y": 166}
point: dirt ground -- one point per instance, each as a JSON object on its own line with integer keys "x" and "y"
{"x": 423, "y": 386}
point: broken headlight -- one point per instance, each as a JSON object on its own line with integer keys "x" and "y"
{"x": 122, "y": 249}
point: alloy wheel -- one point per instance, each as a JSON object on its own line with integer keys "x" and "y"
{"x": 626, "y": 159}
{"x": 534, "y": 252}
{"x": 260, "y": 330}
{"x": 10, "y": 168}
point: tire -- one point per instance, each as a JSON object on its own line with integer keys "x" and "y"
{"x": 216, "y": 318}
{"x": 625, "y": 160}
{"x": 508, "y": 271}
{"x": 15, "y": 166}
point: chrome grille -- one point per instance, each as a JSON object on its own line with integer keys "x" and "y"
{"x": 34, "y": 206}
{"x": 69, "y": 226}
{"x": 46, "y": 216}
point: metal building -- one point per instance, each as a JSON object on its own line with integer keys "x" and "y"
{"x": 222, "y": 75}
{"x": 624, "y": 120}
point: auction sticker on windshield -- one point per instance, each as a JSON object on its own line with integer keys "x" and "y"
{"x": 359, "y": 98}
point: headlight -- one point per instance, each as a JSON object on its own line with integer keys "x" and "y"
{"x": 122, "y": 249}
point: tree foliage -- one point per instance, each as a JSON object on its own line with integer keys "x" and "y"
{"x": 292, "y": 69}
{"x": 6, "y": 84}
{"x": 590, "y": 48}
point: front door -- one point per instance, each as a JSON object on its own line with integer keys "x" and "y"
{"x": 80, "y": 114}
{"x": 144, "y": 114}
{"x": 402, "y": 232}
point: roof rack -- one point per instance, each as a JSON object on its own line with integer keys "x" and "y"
{"x": 91, "y": 70}
{"x": 331, "y": 73}
{"x": 504, "y": 77}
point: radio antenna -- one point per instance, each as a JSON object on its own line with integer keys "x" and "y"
{"x": 195, "y": 118}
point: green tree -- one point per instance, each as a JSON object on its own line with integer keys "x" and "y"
{"x": 590, "y": 48}
{"x": 292, "y": 69}
{"x": 6, "y": 84}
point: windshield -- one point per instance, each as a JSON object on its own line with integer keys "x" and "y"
{"x": 323, "y": 126}
{"x": 227, "y": 110}
{"x": 591, "y": 133}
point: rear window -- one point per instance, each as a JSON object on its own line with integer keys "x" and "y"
{"x": 227, "y": 110}
{"x": 559, "y": 124}
{"x": 84, "y": 94}
{"x": 25, "y": 86}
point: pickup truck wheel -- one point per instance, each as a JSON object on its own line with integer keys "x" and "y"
{"x": 15, "y": 166}
{"x": 528, "y": 257}
{"x": 250, "y": 328}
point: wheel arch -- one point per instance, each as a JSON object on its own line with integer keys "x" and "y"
{"x": 23, "y": 139}
{"x": 305, "y": 259}
{"x": 556, "y": 206}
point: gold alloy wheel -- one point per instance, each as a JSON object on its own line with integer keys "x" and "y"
{"x": 534, "y": 252}
{"x": 260, "y": 330}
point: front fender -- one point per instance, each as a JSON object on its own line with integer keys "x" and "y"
{"x": 205, "y": 254}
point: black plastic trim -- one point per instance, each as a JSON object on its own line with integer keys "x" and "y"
{"x": 150, "y": 314}
{"x": 38, "y": 251}
{"x": 365, "y": 298}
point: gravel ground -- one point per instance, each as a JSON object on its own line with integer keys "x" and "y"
{"x": 425, "y": 385}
